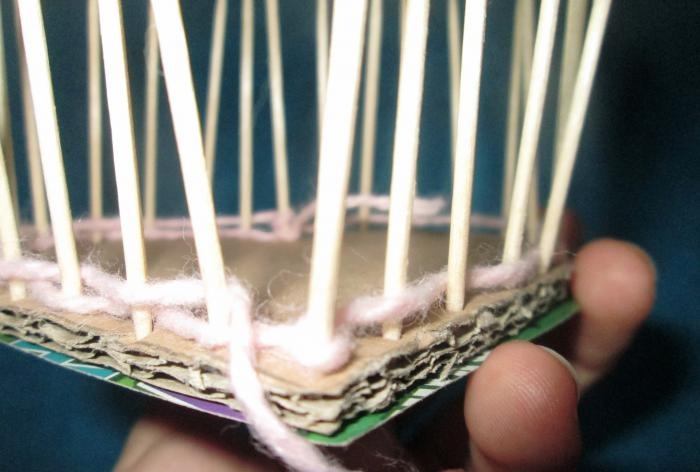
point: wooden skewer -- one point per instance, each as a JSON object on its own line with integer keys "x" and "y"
{"x": 527, "y": 32}
{"x": 454, "y": 54}
{"x": 119, "y": 103}
{"x": 36, "y": 180}
{"x": 9, "y": 229}
{"x": 151, "y": 123}
{"x": 340, "y": 107}
{"x": 321, "y": 59}
{"x": 369, "y": 117}
{"x": 6, "y": 125}
{"x": 40, "y": 214}
{"x": 572, "y": 132}
{"x": 94, "y": 113}
{"x": 573, "y": 40}
{"x": 532, "y": 218}
{"x": 527, "y": 36}
{"x": 246, "y": 114}
{"x": 279, "y": 122}
{"x": 188, "y": 135}
{"x": 403, "y": 176}
{"x": 531, "y": 127}
{"x": 402, "y": 21}
{"x": 216, "y": 62}
{"x": 514, "y": 102}
{"x": 39, "y": 74}
{"x": 473, "y": 46}
{"x": 527, "y": 39}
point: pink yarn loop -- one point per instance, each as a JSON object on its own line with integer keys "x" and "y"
{"x": 269, "y": 225}
{"x": 504, "y": 275}
{"x": 279, "y": 438}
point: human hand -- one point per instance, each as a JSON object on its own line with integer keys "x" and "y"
{"x": 520, "y": 407}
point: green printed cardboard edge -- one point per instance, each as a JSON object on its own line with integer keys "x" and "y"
{"x": 353, "y": 429}
{"x": 362, "y": 425}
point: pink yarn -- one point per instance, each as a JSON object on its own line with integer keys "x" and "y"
{"x": 268, "y": 225}
{"x": 415, "y": 300}
{"x": 191, "y": 328}
{"x": 504, "y": 275}
{"x": 29, "y": 269}
{"x": 283, "y": 442}
{"x": 292, "y": 341}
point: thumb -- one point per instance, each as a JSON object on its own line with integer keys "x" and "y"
{"x": 520, "y": 410}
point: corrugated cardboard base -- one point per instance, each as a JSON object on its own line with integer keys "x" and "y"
{"x": 277, "y": 274}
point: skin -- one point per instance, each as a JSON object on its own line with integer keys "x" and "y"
{"x": 519, "y": 408}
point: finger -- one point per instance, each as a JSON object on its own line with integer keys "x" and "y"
{"x": 520, "y": 410}
{"x": 143, "y": 435}
{"x": 159, "y": 442}
{"x": 614, "y": 284}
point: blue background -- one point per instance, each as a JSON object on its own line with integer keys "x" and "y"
{"x": 637, "y": 178}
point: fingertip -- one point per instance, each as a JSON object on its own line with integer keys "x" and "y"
{"x": 614, "y": 282}
{"x": 617, "y": 278}
{"x": 520, "y": 410}
{"x": 161, "y": 441}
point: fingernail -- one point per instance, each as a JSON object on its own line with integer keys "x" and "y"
{"x": 566, "y": 364}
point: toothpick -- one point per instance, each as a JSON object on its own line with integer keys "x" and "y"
{"x": 513, "y": 120}
{"x": 40, "y": 215}
{"x": 118, "y": 101}
{"x": 151, "y": 123}
{"x": 188, "y": 135}
{"x": 94, "y": 113}
{"x": 279, "y": 122}
{"x": 321, "y": 59}
{"x": 347, "y": 38}
{"x": 39, "y": 74}
{"x": 216, "y": 62}
{"x": 246, "y": 114}
{"x": 531, "y": 127}
{"x": 369, "y": 116}
{"x": 454, "y": 54}
{"x": 403, "y": 177}
{"x": 473, "y": 46}
{"x": 576, "y": 11}
{"x": 9, "y": 229}
{"x": 571, "y": 137}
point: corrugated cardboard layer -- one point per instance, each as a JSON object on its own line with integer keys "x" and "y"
{"x": 278, "y": 274}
